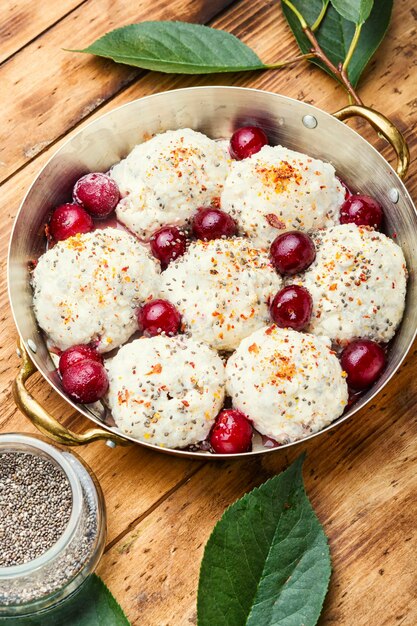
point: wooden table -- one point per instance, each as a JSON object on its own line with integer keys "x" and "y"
{"x": 362, "y": 476}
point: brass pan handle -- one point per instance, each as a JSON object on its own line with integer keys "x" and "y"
{"x": 384, "y": 127}
{"x": 43, "y": 421}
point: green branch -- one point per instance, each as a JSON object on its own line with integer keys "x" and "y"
{"x": 339, "y": 72}
{"x": 352, "y": 46}
{"x": 297, "y": 13}
{"x": 300, "y": 57}
{"x": 320, "y": 16}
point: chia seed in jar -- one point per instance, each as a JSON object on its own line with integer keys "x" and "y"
{"x": 52, "y": 524}
{"x": 35, "y": 506}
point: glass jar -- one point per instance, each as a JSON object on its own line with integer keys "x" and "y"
{"x": 60, "y": 571}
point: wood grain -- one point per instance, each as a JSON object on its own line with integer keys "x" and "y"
{"x": 361, "y": 476}
{"x": 22, "y": 21}
{"x": 367, "y": 517}
{"x": 76, "y": 83}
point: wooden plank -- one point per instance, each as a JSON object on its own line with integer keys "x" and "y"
{"x": 24, "y": 20}
{"x": 360, "y": 478}
{"x": 63, "y": 87}
{"x": 349, "y": 472}
{"x": 43, "y": 115}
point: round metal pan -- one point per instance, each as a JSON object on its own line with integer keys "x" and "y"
{"x": 216, "y": 111}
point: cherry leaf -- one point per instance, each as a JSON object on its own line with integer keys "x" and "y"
{"x": 177, "y": 48}
{"x": 267, "y": 562}
{"x": 335, "y": 33}
{"x": 356, "y": 11}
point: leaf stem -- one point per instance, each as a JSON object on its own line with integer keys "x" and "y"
{"x": 321, "y": 15}
{"x": 339, "y": 72}
{"x": 352, "y": 46}
{"x": 299, "y": 57}
{"x": 297, "y": 13}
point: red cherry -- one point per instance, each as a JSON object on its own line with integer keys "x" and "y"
{"x": 75, "y": 354}
{"x": 157, "y": 317}
{"x": 168, "y": 243}
{"x": 68, "y": 220}
{"x": 345, "y": 187}
{"x": 97, "y": 193}
{"x": 246, "y": 141}
{"x": 362, "y": 211}
{"x": 292, "y": 307}
{"x": 85, "y": 381}
{"x": 363, "y": 361}
{"x": 231, "y": 433}
{"x": 213, "y": 224}
{"x": 292, "y": 252}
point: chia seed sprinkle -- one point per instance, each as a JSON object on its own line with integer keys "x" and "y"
{"x": 35, "y": 506}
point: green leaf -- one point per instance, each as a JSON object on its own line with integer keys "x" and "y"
{"x": 356, "y": 11}
{"x": 267, "y": 562}
{"x": 176, "y": 47}
{"x": 336, "y": 33}
{"x": 93, "y": 605}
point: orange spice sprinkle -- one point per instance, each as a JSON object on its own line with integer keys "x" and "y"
{"x": 279, "y": 177}
{"x": 178, "y": 155}
{"x": 219, "y": 315}
{"x": 75, "y": 242}
{"x": 285, "y": 367}
{"x": 123, "y": 396}
{"x": 155, "y": 369}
